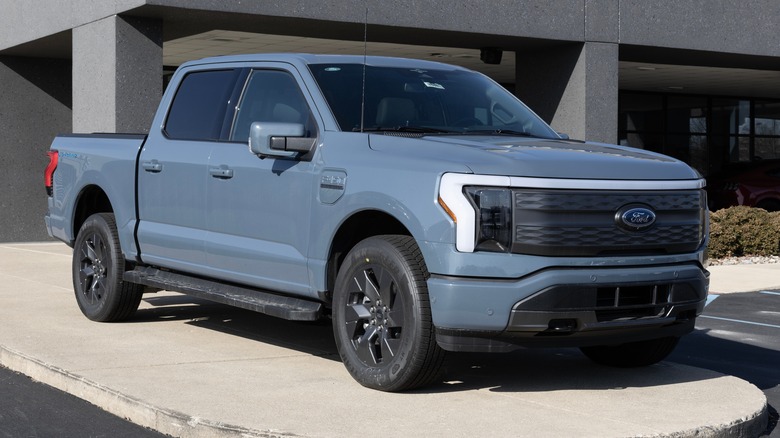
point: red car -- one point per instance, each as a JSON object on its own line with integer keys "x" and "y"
{"x": 754, "y": 185}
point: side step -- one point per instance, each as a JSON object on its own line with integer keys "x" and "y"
{"x": 257, "y": 300}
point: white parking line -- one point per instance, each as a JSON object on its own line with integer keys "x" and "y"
{"x": 740, "y": 321}
{"x": 769, "y": 292}
{"x": 710, "y": 299}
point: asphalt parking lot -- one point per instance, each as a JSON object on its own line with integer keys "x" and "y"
{"x": 739, "y": 335}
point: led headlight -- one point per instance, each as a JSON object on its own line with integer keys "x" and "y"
{"x": 493, "y": 208}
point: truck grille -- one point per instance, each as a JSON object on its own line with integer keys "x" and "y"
{"x": 583, "y": 222}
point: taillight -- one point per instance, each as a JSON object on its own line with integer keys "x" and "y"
{"x": 48, "y": 175}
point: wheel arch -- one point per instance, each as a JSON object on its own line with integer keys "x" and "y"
{"x": 91, "y": 200}
{"x": 358, "y": 226}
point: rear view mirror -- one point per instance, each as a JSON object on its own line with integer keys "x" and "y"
{"x": 278, "y": 139}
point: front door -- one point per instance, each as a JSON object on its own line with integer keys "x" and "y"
{"x": 259, "y": 209}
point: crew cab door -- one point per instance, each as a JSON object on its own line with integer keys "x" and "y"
{"x": 173, "y": 171}
{"x": 259, "y": 208}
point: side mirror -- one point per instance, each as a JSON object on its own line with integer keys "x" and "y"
{"x": 278, "y": 139}
{"x": 563, "y": 136}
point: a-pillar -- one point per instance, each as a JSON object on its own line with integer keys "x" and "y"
{"x": 117, "y": 74}
{"x": 574, "y": 87}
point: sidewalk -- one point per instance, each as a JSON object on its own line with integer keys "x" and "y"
{"x": 744, "y": 278}
{"x": 191, "y": 368}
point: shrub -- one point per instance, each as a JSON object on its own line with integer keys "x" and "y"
{"x": 740, "y": 231}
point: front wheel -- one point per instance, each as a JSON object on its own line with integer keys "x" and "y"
{"x": 382, "y": 317}
{"x": 98, "y": 266}
{"x": 632, "y": 354}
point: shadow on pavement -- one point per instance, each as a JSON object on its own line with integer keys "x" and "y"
{"x": 315, "y": 338}
{"x": 526, "y": 370}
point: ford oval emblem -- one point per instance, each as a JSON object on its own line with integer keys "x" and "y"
{"x": 635, "y": 218}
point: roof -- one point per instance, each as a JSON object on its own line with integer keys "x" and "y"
{"x": 305, "y": 58}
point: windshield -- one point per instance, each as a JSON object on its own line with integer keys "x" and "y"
{"x": 424, "y": 100}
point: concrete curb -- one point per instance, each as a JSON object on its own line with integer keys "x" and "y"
{"x": 178, "y": 424}
{"x": 165, "y": 421}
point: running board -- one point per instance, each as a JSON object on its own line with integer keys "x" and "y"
{"x": 257, "y": 300}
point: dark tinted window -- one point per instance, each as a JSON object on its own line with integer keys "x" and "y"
{"x": 271, "y": 96}
{"x": 439, "y": 100}
{"x": 641, "y": 121}
{"x": 198, "y": 108}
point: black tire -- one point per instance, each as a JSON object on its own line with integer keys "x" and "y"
{"x": 98, "y": 266}
{"x": 632, "y": 354}
{"x": 382, "y": 316}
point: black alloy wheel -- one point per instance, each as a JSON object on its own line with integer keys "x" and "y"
{"x": 381, "y": 315}
{"x": 98, "y": 266}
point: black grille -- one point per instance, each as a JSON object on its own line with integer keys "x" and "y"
{"x": 583, "y": 222}
{"x": 632, "y": 302}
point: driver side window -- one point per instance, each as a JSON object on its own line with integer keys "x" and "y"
{"x": 270, "y": 96}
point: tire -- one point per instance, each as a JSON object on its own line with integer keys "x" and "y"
{"x": 98, "y": 266}
{"x": 632, "y": 354}
{"x": 382, "y": 317}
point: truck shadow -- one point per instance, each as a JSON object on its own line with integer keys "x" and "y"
{"x": 525, "y": 370}
{"x": 315, "y": 338}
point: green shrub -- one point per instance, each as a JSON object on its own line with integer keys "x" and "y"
{"x": 742, "y": 231}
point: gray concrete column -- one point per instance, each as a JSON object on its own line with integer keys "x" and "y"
{"x": 573, "y": 87}
{"x": 35, "y": 104}
{"x": 117, "y": 74}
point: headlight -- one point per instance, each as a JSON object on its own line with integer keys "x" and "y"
{"x": 460, "y": 200}
{"x": 494, "y": 218}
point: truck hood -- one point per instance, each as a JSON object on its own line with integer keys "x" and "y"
{"x": 542, "y": 158}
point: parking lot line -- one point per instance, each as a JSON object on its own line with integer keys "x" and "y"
{"x": 769, "y": 292}
{"x": 740, "y": 321}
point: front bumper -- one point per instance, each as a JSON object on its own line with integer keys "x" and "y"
{"x": 567, "y": 307}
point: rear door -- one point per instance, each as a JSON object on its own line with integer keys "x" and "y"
{"x": 173, "y": 171}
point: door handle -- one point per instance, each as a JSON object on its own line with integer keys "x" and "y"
{"x": 153, "y": 166}
{"x": 221, "y": 172}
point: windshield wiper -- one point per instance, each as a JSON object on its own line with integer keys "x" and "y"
{"x": 507, "y": 132}
{"x": 413, "y": 129}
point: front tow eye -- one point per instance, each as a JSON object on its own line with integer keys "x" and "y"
{"x": 562, "y": 325}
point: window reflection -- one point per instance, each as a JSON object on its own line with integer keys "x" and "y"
{"x": 767, "y": 118}
{"x": 641, "y": 121}
{"x": 709, "y": 133}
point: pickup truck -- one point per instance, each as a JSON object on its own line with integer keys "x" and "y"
{"x": 420, "y": 206}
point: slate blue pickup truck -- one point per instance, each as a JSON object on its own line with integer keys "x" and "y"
{"x": 420, "y": 206}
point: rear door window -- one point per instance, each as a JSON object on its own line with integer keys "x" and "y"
{"x": 199, "y": 107}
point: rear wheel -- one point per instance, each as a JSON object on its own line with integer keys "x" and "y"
{"x": 382, "y": 318}
{"x": 632, "y": 354}
{"x": 98, "y": 266}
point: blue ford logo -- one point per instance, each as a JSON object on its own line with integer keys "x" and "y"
{"x": 635, "y": 218}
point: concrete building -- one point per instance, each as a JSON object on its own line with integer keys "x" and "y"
{"x": 696, "y": 79}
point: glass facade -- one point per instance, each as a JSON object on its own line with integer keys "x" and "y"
{"x": 709, "y": 133}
